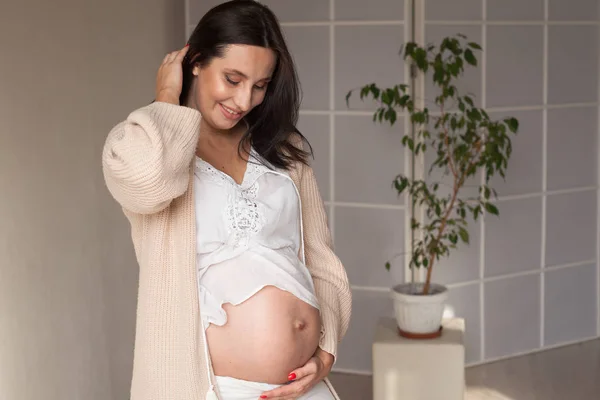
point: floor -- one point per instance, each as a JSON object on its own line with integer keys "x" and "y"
{"x": 566, "y": 373}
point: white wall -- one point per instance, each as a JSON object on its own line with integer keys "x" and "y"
{"x": 68, "y": 278}
{"x": 513, "y": 284}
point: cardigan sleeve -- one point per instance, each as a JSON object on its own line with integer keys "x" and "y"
{"x": 330, "y": 279}
{"x": 146, "y": 158}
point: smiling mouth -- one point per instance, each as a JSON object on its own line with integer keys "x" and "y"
{"x": 230, "y": 111}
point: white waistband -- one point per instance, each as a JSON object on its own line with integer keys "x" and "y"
{"x": 237, "y": 389}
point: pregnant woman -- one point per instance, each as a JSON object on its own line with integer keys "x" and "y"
{"x": 240, "y": 294}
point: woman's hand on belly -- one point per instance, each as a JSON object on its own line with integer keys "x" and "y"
{"x": 265, "y": 338}
{"x": 304, "y": 378}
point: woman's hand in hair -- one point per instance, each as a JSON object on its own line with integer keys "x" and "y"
{"x": 169, "y": 79}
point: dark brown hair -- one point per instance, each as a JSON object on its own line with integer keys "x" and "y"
{"x": 271, "y": 124}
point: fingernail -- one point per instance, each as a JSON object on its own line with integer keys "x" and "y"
{"x": 263, "y": 397}
{"x": 291, "y": 376}
{"x": 187, "y": 45}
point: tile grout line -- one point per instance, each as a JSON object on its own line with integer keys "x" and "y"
{"x": 512, "y": 23}
{"x": 371, "y": 289}
{"x": 411, "y": 15}
{"x": 530, "y": 352}
{"x": 500, "y": 199}
{"x": 332, "y": 208}
{"x": 366, "y": 205}
{"x": 513, "y": 275}
{"x": 186, "y": 16}
{"x": 544, "y": 179}
{"x": 539, "y": 107}
{"x": 430, "y": 22}
{"x": 333, "y": 22}
{"x": 482, "y": 221}
{"x": 418, "y": 162}
{"x": 546, "y": 193}
{"x": 598, "y": 212}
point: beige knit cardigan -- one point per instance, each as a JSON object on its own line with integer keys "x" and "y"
{"x": 148, "y": 168}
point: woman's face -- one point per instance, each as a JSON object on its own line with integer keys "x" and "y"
{"x": 228, "y": 88}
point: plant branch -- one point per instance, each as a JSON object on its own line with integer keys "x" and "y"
{"x": 437, "y": 240}
{"x": 458, "y": 183}
{"x": 447, "y": 143}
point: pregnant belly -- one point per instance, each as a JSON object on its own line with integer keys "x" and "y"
{"x": 265, "y": 338}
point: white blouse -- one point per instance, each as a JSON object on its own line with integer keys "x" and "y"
{"x": 249, "y": 236}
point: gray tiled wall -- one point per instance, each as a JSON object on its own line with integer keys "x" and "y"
{"x": 528, "y": 279}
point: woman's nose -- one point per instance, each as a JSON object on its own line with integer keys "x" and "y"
{"x": 243, "y": 99}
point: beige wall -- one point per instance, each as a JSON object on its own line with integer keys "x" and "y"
{"x": 69, "y": 70}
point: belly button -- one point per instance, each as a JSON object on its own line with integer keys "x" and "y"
{"x": 300, "y": 325}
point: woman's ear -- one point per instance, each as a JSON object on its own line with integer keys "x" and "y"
{"x": 196, "y": 70}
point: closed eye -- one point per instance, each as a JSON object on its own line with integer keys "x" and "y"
{"x": 235, "y": 83}
{"x": 231, "y": 81}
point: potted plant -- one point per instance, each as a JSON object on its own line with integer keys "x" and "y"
{"x": 463, "y": 143}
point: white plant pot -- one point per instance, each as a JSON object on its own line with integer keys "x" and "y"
{"x": 416, "y": 313}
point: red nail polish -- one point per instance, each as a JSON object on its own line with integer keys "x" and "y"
{"x": 291, "y": 376}
{"x": 263, "y": 397}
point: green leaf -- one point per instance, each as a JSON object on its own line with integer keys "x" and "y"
{"x": 385, "y": 98}
{"x": 453, "y": 238}
{"x": 364, "y": 92}
{"x": 410, "y": 49}
{"x": 388, "y": 265}
{"x": 375, "y": 90}
{"x": 513, "y": 124}
{"x": 454, "y": 69}
{"x": 453, "y": 123}
{"x": 348, "y": 98}
{"x": 474, "y": 45}
{"x": 486, "y": 193}
{"x": 464, "y": 235}
{"x": 403, "y": 100}
{"x": 474, "y": 114}
{"x": 400, "y": 185}
{"x": 393, "y": 116}
{"x": 420, "y": 58}
{"x": 490, "y": 208}
{"x": 470, "y": 57}
{"x": 418, "y": 118}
